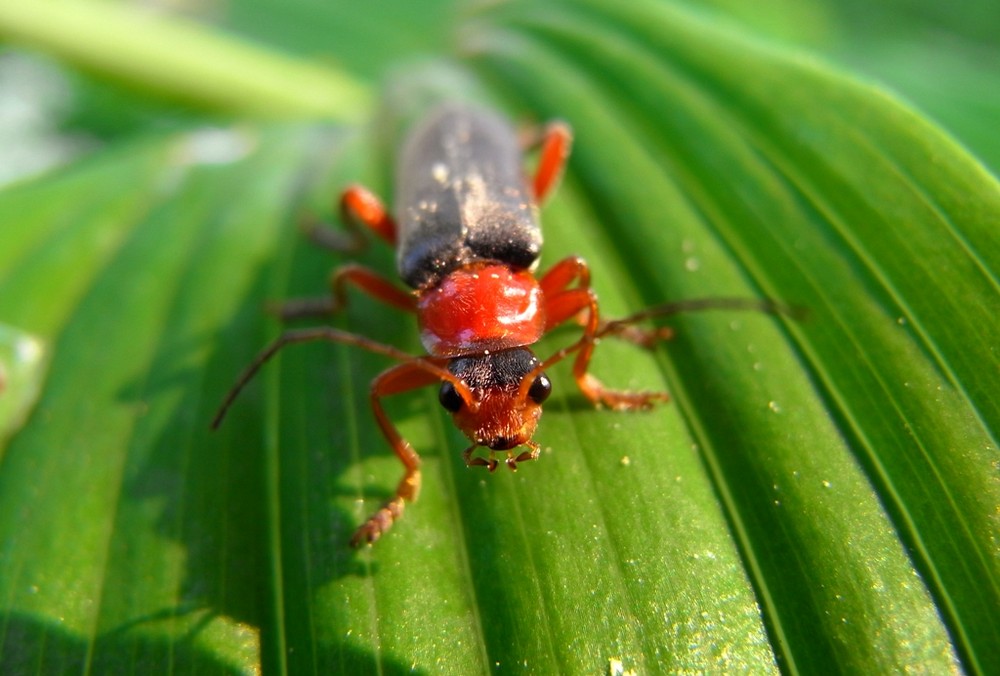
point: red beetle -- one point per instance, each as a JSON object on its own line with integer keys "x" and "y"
{"x": 467, "y": 242}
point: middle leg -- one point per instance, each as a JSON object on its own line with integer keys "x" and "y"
{"x": 563, "y": 303}
{"x": 365, "y": 279}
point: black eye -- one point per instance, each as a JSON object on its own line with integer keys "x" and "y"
{"x": 449, "y": 397}
{"x": 540, "y": 389}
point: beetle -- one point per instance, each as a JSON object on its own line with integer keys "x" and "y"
{"x": 468, "y": 240}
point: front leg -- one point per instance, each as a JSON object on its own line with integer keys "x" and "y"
{"x": 413, "y": 372}
{"x": 562, "y": 304}
{"x": 401, "y": 378}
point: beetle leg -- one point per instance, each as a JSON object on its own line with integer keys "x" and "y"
{"x": 593, "y": 388}
{"x": 557, "y": 280}
{"x": 562, "y": 304}
{"x": 524, "y": 456}
{"x": 400, "y": 378}
{"x": 360, "y": 205}
{"x": 365, "y": 279}
{"x": 555, "y": 145}
{"x": 413, "y": 372}
{"x": 574, "y": 269}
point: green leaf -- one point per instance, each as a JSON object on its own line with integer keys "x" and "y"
{"x": 820, "y": 495}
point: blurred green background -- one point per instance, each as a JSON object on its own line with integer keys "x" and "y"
{"x": 943, "y": 59}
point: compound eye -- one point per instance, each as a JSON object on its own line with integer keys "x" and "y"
{"x": 450, "y": 398}
{"x": 540, "y": 389}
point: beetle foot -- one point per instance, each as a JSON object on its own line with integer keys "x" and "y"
{"x": 531, "y": 454}
{"x": 618, "y": 400}
{"x": 490, "y": 464}
{"x": 622, "y": 400}
{"x": 382, "y": 520}
{"x": 379, "y": 522}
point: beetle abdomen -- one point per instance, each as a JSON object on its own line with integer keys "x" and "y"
{"x": 461, "y": 197}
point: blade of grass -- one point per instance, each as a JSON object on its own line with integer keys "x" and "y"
{"x": 181, "y": 60}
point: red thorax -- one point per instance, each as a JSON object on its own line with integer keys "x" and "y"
{"x": 480, "y": 308}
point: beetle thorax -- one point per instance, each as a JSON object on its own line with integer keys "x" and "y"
{"x": 481, "y": 308}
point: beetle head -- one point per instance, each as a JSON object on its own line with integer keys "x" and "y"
{"x": 509, "y": 389}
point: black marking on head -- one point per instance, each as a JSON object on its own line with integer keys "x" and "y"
{"x": 504, "y": 369}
